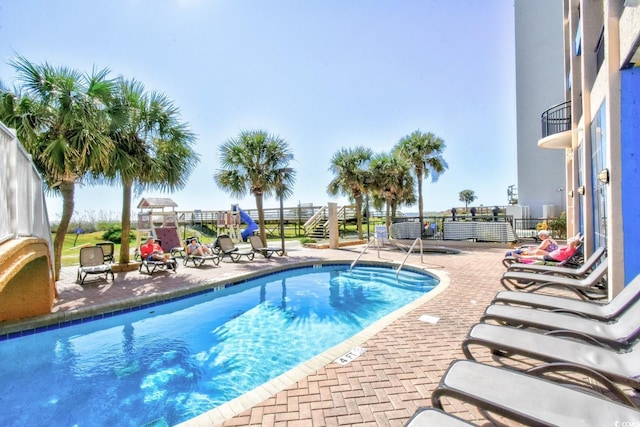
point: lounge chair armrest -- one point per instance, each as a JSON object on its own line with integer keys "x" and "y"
{"x": 586, "y": 295}
{"x": 579, "y": 336}
{"x": 556, "y": 367}
{"x": 567, "y": 311}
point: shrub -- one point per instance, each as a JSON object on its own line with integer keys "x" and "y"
{"x": 558, "y": 226}
{"x": 114, "y": 234}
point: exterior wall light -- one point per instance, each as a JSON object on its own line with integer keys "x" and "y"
{"x": 570, "y": 193}
{"x": 581, "y": 190}
{"x": 603, "y": 176}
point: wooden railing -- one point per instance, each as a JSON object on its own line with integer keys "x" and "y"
{"x": 313, "y": 222}
{"x": 304, "y": 218}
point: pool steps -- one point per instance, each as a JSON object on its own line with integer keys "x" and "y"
{"x": 405, "y": 279}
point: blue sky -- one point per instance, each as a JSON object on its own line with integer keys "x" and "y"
{"x": 320, "y": 74}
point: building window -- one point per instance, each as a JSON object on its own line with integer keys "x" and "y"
{"x": 600, "y": 190}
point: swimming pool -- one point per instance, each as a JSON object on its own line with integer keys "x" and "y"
{"x": 177, "y": 360}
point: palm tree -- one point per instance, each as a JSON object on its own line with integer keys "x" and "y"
{"x": 424, "y": 152}
{"x": 62, "y": 123}
{"x": 349, "y": 165}
{"x": 404, "y": 190}
{"x": 153, "y": 148}
{"x": 256, "y": 162}
{"x": 19, "y": 112}
{"x": 392, "y": 181}
{"x": 467, "y": 196}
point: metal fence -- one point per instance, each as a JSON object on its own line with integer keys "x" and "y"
{"x": 23, "y": 209}
{"x": 495, "y": 228}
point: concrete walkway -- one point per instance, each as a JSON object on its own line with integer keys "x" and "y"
{"x": 405, "y": 356}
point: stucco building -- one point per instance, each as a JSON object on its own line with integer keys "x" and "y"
{"x": 597, "y": 129}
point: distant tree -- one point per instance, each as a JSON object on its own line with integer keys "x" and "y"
{"x": 404, "y": 190}
{"x": 351, "y": 177}
{"x": 424, "y": 152}
{"x": 467, "y": 196}
{"x": 256, "y": 162}
{"x": 392, "y": 181}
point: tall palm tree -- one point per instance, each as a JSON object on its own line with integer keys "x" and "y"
{"x": 153, "y": 148}
{"x": 349, "y": 165}
{"x": 256, "y": 162}
{"x": 424, "y": 152}
{"x": 63, "y": 125}
{"x": 392, "y": 181}
{"x": 404, "y": 190}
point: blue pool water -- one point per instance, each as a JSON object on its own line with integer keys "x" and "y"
{"x": 177, "y": 360}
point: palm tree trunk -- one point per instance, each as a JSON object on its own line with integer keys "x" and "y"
{"x": 387, "y": 217}
{"x": 359, "y": 216}
{"x": 420, "y": 200}
{"x": 67, "y": 190}
{"x": 126, "y": 221}
{"x": 263, "y": 232}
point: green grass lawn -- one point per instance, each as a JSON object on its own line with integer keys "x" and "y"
{"x": 73, "y": 243}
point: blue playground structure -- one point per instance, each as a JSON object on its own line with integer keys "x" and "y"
{"x": 251, "y": 224}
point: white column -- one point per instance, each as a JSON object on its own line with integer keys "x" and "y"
{"x": 333, "y": 226}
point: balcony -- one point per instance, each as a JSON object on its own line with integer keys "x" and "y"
{"x": 556, "y": 127}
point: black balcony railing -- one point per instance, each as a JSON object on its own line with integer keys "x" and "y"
{"x": 599, "y": 51}
{"x": 556, "y": 119}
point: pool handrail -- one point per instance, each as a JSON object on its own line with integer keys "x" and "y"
{"x": 360, "y": 254}
{"x": 418, "y": 239}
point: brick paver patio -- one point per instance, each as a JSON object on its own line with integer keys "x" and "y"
{"x": 405, "y": 357}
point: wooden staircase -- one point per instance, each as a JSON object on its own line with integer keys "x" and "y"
{"x": 317, "y": 227}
